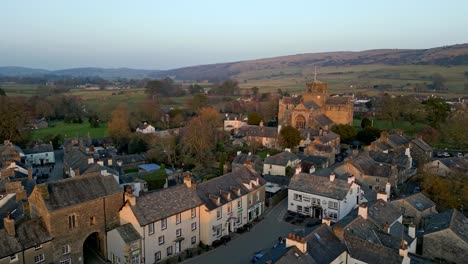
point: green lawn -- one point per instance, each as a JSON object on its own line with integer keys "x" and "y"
{"x": 70, "y": 130}
{"x": 387, "y": 125}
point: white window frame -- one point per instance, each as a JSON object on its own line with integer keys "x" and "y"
{"x": 38, "y": 247}
{"x": 151, "y": 228}
{"x": 163, "y": 224}
{"x": 40, "y": 258}
{"x": 297, "y": 197}
{"x": 194, "y": 225}
{"x": 65, "y": 249}
{"x": 178, "y": 218}
{"x": 219, "y": 213}
{"x": 169, "y": 252}
{"x": 160, "y": 240}
{"x": 258, "y": 196}
{"x": 66, "y": 261}
{"x": 332, "y": 205}
{"x": 179, "y": 232}
{"x": 157, "y": 256}
{"x": 193, "y": 212}
{"x": 14, "y": 258}
{"x": 229, "y": 208}
{"x": 239, "y": 203}
{"x": 193, "y": 240}
{"x": 299, "y": 208}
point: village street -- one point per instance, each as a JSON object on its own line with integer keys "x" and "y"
{"x": 262, "y": 236}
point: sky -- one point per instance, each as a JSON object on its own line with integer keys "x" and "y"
{"x": 156, "y": 34}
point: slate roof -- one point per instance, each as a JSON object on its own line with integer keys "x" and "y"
{"x": 320, "y": 185}
{"x": 392, "y": 157}
{"x": 73, "y": 191}
{"x": 311, "y": 105}
{"x": 157, "y": 205}
{"x": 281, "y": 159}
{"x": 371, "y": 253}
{"x": 227, "y": 183}
{"x": 290, "y": 100}
{"x": 294, "y": 255}
{"x": 323, "y": 120}
{"x": 422, "y": 144}
{"x": 243, "y": 157}
{"x": 128, "y": 233}
{"x": 28, "y": 234}
{"x": 39, "y": 148}
{"x": 458, "y": 164}
{"x": 323, "y": 245}
{"x": 77, "y": 159}
{"x": 451, "y": 219}
{"x": 418, "y": 200}
{"x": 314, "y": 159}
{"x": 321, "y": 148}
{"x": 336, "y": 100}
{"x": 257, "y": 131}
{"x": 370, "y": 167}
{"x": 126, "y": 159}
{"x": 398, "y": 140}
{"x": 382, "y": 212}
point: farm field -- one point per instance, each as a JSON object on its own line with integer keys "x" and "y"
{"x": 405, "y": 126}
{"x": 68, "y": 130}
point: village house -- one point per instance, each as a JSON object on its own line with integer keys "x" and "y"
{"x": 394, "y": 158}
{"x": 420, "y": 151}
{"x": 445, "y": 236}
{"x": 38, "y": 124}
{"x": 40, "y": 154}
{"x": 124, "y": 245}
{"x": 324, "y": 195}
{"x": 321, "y": 142}
{"x": 417, "y": 207}
{"x": 448, "y": 166}
{"x": 76, "y": 162}
{"x": 277, "y": 164}
{"x": 145, "y": 128}
{"x": 374, "y": 175}
{"x": 10, "y": 152}
{"x": 230, "y": 202}
{"x": 254, "y": 160}
{"x": 233, "y": 122}
{"x": 77, "y": 213}
{"x": 168, "y": 220}
{"x": 129, "y": 162}
{"x": 310, "y": 164}
{"x": 260, "y": 135}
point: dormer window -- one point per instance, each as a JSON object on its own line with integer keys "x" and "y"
{"x": 216, "y": 199}
{"x": 236, "y": 190}
{"x": 248, "y": 185}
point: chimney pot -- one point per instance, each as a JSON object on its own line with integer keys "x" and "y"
{"x": 9, "y": 224}
{"x": 332, "y": 177}
{"x": 362, "y": 211}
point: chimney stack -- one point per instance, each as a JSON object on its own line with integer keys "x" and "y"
{"x": 326, "y": 220}
{"x": 382, "y": 195}
{"x": 403, "y": 249}
{"x": 298, "y": 169}
{"x": 363, "y": 211}
{"x": 9, "y": 224}
{"x": 100, "y": 162}
{"x": 351, "y": 179}
{"x": 30, "y": 173}
{"x": 109, "y": 162}
{"x": 300, "y": 243}
{"x": 239, "y": 152}
{"x": 129, "y": 195}
{"x": 388, "y": 188}
{"x": 332, "y": 176}
{"x": 90, "y": 160}
{"x": 412, "y": 230}
{"x": 187, "y": 180}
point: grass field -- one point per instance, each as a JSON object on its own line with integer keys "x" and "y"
{"x": 387, "y": 125}
{"x": 70, "y": 130}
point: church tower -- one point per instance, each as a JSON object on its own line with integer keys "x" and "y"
{"x": 317, "y": 92}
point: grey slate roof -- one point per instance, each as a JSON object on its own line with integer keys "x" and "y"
{"x": 457, "y": 164}
{"x": 28, "y": 234}
{"x": 39, "y": 148}
{"x": 422, "y": 144}
{"x": 311, "y": 105}
{"x": 281, "y": 159}
{"x": 323, "y": 245}
{"x": 398, "y": 140}
{"x": 73, "y": 191}
{"x": 128, "y": 233}
{"x": 320, "y": 185}
{"x": 126, "y": 159}
{"x": 418, "y": 200}
{"x": 243, "y": 157}
{"x": 294, "y": 255}
{"x": 371, "y": 253}
{"x": 226, "y": 183}
{"x": 392, "y": 157}
{"x": 77, "y": 159}
{"x": 451, "y": 219}
{"x": 371, "y": 167}
{"x": 337, "y": 100}
{"x": 257, "y": 131}
{"x": 382, "y": 212}
{"x": 323, "y": 120}
{"x": 154, "y": 206}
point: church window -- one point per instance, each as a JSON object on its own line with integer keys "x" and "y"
{"x": 300, "y": 121}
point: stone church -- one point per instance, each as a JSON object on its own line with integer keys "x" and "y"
{"x": 315, "y": 109}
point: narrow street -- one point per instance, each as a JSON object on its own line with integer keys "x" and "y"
{"x": 262, "y": 236}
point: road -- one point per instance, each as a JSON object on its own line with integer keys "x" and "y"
{"x": 263, "y": 235}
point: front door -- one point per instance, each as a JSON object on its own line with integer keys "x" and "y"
{"x": 177, "y": 247}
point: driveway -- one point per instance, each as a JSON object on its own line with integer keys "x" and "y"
{"x": 263, "y": 235}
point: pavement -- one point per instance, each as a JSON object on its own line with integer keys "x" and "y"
{"x": 264, "y": 235}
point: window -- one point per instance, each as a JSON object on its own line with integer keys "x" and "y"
{"x": 377, "y": 188}
{"x": 65, "y": 249}
{"x": 332, "y": 205}
{"x": 298, "y": 197}
{"x": 229, "y": 208}
{"x": 316, "y": 201}
{"x": 39, "y": 258}
{"x": 178, "y": 218}
{"x": 370, "y": 187}
{"x": 258, "y": 196}
{"x": 219, "y": 213}
{"x": 151, "y": 228}
{"x": 135, "y": 259}
{"x": 219, "y": 230}
{"x": 306, "y": 199}
{"x": 194, "y": 225}
{"x": 193, "y": 212}
{"x": 250, "y": 199}
{"x": 239, "y": 218}
{"x": 333, "y": 215}
{"x": 300, "y": 121}
{"x": 299, "y": 209}
{"x": 65, "y": 261}
{"x": 157, "y": 256}
{"x": 72, "y": 221}
{"x": 161, "y": 240}
{"x": 13, "y": 258}
{"x": 163, "y": 223}
{"x": 193, "y": 240}
{"x": 178, "y": 232}
{"x": 307, "y": 210}
{"x": 92, "y": 220}
{"x": 169, "y": 251}
{"x": 37, "y": 247}
{"x": 239, "y": 203}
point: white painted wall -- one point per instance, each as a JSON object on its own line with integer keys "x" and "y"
{"x": 115, "y": 246}
{"x": 35, "y": 159}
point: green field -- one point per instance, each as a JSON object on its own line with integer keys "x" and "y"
{"x": 405, "y": 126}
{"x": 68, "y": 130}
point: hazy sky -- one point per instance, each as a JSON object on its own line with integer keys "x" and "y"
{"x": 158, "y": 34}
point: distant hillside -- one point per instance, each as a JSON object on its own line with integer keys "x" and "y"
{"x": 109, "y": 74}
{"x": 442, "y": 56}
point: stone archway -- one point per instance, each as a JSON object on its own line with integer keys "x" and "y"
{"x": 94, "y": 248}
{"x": 300, "y": 121}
